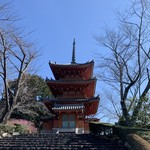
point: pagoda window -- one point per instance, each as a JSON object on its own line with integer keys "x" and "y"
{"x": 64, "y": 121}
{"x": 72, "y": 121}
{"x": 68, "y": 121}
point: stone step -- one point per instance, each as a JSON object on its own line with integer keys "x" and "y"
{"x": 64, "y": 147}
{"x": 58, "y": 141}
{"x": 60, "y": 148}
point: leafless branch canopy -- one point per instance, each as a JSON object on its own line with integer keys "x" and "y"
{"x": 125, "y": 68}
{"x": 16, "y": 54}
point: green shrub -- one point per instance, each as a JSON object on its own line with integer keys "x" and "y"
{"x": 123, "y": 131}
{"x": 13, "y": 128}
{"x": 20, "y": 128}
{"x": 101, "y": 128}
{"x": 145, "y": 135}
{"x": 120, "y": 131}
{"x": 6, "y": 128}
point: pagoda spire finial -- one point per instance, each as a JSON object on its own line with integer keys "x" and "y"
{"x": 73, "y": 53}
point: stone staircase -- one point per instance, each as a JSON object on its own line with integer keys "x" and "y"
{"x": 61, "y": 141}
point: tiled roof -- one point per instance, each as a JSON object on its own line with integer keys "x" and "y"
{"x": 67, "y": 106}
{"x": 72, "y": 99}
{"x": 70, "y": 65}
{"x": 70, "y": 81}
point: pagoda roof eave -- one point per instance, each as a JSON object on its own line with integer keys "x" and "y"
{"x": 58, "y": 87}
{"x": 52, "y": 100}
{"x": 83, "y": 71}
{"x": 90, "y": 107}
{"x": 71, "y": 65}
{"x": 70, "y": 81}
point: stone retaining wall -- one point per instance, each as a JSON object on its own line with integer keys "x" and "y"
{"x": 137, "y": 143}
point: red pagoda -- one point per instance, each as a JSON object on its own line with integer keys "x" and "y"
{"x": 73, "y": 96}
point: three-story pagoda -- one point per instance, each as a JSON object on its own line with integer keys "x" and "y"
{"x": 73, "y": 96}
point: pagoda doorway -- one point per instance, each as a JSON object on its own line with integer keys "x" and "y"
{"x": 68, "y": 121}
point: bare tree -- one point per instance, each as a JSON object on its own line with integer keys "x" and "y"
{"x": 125, "y": 67}
{"x": 16, "y": 54}
{"x": 7, "y": 15}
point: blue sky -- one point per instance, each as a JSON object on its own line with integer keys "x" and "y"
{"x": 56, "y": 22}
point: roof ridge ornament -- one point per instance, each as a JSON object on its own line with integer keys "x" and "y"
{"x": 73, "y": 53}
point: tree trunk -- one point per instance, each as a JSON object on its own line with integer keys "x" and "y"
{"x": 125, "y": 113}
{"x": 140, "y": 102}
{"x": 6, "y": 115}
